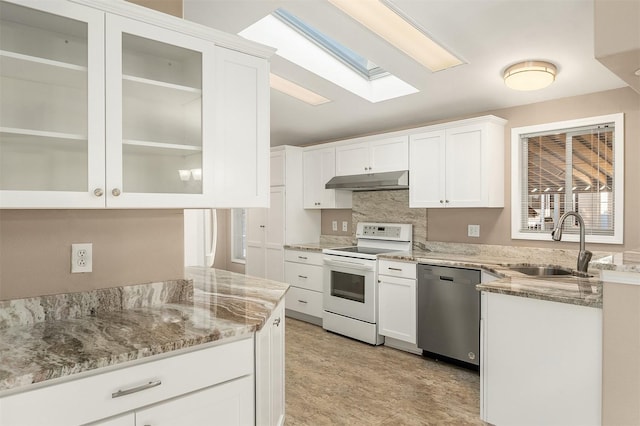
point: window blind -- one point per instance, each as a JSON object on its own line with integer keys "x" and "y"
{"x": 568, "y": 170}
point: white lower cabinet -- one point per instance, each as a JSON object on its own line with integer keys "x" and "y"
{"x": 214, "y": 385}
{"x": 128, "y": 419}
{"x": 270, "y": 402}
{"x": 397, "y": 300}
{"x": 541, "y": 362}
{"x": 303, "y": 271}
{"x": 225, "y": 404}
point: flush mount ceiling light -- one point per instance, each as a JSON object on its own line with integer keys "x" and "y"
{"x": 530, "y": 75}
{"x": 292, "y": 89}
{"x": 387, "y": 21}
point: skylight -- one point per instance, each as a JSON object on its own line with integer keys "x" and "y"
{"x": 325, "y": 57}
{"x": 359, "y": 63}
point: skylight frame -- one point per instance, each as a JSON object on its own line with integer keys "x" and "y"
{"x": 339, "y": 51}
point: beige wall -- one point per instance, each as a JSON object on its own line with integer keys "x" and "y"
{"x": 172, "y": 7}
{"x": 129, "y": 247}
{"x": 450, "y": 225}
{"x": 339, "y": 215}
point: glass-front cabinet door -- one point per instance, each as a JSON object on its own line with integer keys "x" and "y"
{"x": 159, "y": 150}
{"x": 51, "y": 105}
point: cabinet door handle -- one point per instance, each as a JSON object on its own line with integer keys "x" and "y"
{"x": 115, "y": 192}
{"x": 276, "y": 322}
{"x": 129, "y": 391}
{"x": 394, "y": 269}
{"x": 98, "y": 192}
{"x": 302, "y": 301}
{"x": 302, "y": 276}
{"x": 302, "y": 257}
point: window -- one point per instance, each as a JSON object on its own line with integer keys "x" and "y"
{"x": 307, "y": 47}
{"x": 359, "y": 64}
{"x": 238, "y": 235}
{"x": 574, "y": 165}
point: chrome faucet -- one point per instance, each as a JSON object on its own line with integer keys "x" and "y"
{"x": 585, "y": 255}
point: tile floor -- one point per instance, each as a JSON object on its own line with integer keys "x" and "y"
{"x": 333, "y": 380}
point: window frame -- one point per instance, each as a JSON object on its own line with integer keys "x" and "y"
{"x": 234, "y": 229}
{"x": 618, "y": 174}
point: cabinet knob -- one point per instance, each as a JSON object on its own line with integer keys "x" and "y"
{"x": 261, "y": 226}
{"x": 276, "y": 322}
{"x": 446, "y": 201}
{"x": 115, "y": 192}
{"x": 98, "y": 192}
{"x": 441, "y": 201}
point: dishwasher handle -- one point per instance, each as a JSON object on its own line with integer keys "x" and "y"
{"x": 444, "y": 278}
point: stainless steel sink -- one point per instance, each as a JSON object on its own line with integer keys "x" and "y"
{"x": 548, "y": 271}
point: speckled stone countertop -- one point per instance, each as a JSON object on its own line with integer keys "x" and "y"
{"x": 49, "y": 337}
{"x": 314, "y": 247}
{"x": 564, "y": 289}
{"x": 627, "y": 261}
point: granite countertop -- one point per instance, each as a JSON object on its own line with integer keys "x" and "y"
{"x": 315, "y": 247}
{"x": 49, "y": 337}
{"x": 626, "y": 261}
{"x": 564, "y": 289}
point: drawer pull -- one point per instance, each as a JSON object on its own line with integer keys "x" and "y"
{"x": 394, "y": 269}
{"x": 136, "y": 389}
{"x": 302, "y": 301}
{"x": 302, "y": 276}
{"x": 276, "y": 322}
{"x": 302, "y": 257}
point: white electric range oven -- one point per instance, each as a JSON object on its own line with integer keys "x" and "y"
{"x": 351, "y": 280}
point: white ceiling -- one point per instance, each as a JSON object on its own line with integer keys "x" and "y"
{"x": 488, "y": 35}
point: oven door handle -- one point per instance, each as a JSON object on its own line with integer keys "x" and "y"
{"x": 348, "y": 264}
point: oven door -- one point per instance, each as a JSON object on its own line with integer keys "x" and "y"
{"x": 349, "y": 287}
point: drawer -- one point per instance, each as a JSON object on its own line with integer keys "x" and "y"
{"x": 309, "y": 257}
{"x": 305, "y": 301}
{"x": 397, "y": 269}
{"x": 86, "y": 399}
{"x": 305, "y": 276}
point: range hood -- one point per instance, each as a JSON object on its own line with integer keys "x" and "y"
{"x": 371, "y": 182}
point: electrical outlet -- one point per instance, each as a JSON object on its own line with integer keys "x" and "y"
{"x": 81, "y": 258}
{"x": 473, "y": 231}
{"x": 334, "y": 225}
{"x": 345, "y": 225}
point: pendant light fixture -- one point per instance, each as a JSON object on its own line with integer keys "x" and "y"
{"x": 530, "y": 75}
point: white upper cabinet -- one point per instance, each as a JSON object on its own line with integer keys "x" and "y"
{"x": 105, "y": 106}
{"x": 319, "y": 166}
{"x": 459, "y": 164}
{"x": 159, "y": 88}
{"x": 242, "y": 130}
{"x": 52, "y": 136}
{"x": 383, "y": 155}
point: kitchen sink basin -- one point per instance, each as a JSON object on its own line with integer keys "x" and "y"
{"x": 548, "y": 271}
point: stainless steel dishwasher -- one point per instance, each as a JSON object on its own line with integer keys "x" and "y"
{"x": 449, "y": 312}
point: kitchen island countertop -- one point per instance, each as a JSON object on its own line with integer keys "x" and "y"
{"x": 51, "y": 337}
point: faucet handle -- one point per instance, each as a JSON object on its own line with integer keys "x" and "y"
{"x": 584, "y": 257}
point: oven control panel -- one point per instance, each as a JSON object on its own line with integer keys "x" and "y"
{"x": 387, "y": 231}
{"x": 384, "y": 231}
